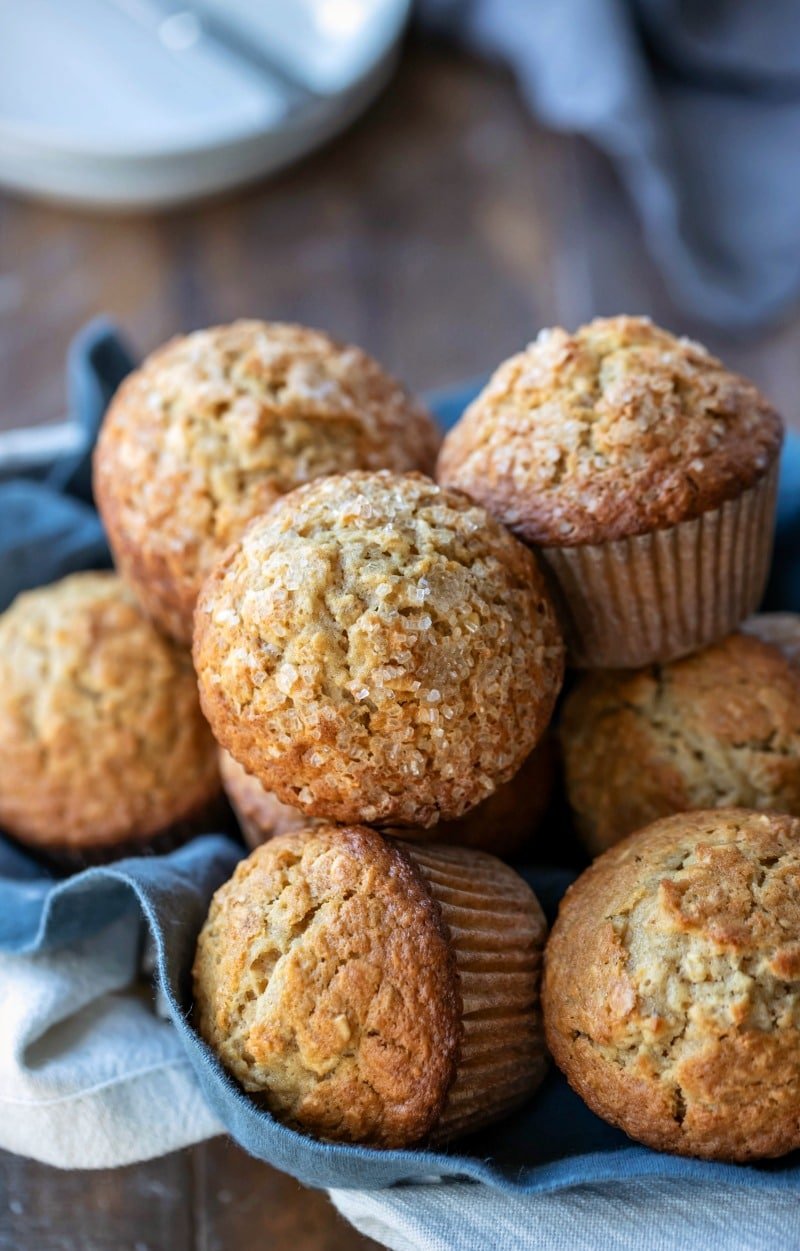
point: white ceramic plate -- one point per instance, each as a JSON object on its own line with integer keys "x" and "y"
{"x": 144, "y": 103}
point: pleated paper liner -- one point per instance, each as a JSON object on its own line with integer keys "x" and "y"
{"x": 658, "y": 596}
{"x": 497, "y": 931}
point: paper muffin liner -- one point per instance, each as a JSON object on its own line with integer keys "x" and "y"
{"x": 497, "y": 932}
{"x": 658, "y": 596}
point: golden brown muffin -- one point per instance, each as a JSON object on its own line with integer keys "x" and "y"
{"x": 214, "y": 427}
{"x": 102, "y": 742}
{"x": 501, "y": 824}
{"x": 377, "y": 649}
{"x": 615, "y": 430}
{"x": 719, "y": 729}
{"x": 672, "y": 985}
{"x": 372, "y": 991}
{"x": 644, "y": 470}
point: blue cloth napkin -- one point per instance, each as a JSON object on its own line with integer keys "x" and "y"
{"x": 551, "y": 1144}
{"x": 698, "y": 105}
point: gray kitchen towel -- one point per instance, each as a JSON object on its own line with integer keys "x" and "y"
{"x": 697, "y": 102}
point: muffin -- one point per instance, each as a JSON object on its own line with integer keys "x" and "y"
{"x": 372, "y": 991}
{"x": 643, "y": 471}
{"x": 214, "y": 427}
{"x": 103, "y": 748}
{"x": 719, "y": 729}
{"x": 378, "y": 649}
{"x": 502, "y": 824}
{"x": 672, "y": 985}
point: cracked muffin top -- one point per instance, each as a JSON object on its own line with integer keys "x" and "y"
{"x": 324, "y": 980}
{"x": 378, "y": 649}
{"x": 717, "y": 729}
{"x": 672, "y": 985}
{"x": 616, "y": 430}
{"x": 101, "y": 735}
{"x": 216, "y": 426}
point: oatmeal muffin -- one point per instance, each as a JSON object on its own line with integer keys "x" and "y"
{"x": 378, "y": 649}
{"x": 643, "y": 470}
{"x": 719, "y": 729}
{"x": 372, "y": 991}
{"x": 103, "y": 747}
{"x": 671, "y": 991}
{"x": 501, "y": 824}
{"x": 216, "y": 426}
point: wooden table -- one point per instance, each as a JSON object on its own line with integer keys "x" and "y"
{"x": 440, "y": 233}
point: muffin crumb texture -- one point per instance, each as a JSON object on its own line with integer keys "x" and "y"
{"x": 616, "y": 430}
{"x": 101, "y": 735}
{"x": 325, "y": 982}
{"x": 377, "y": 649}
{"x": 672, "y": 985}
{"x": 216, "y": 426}
{"x": 717, "y": 729}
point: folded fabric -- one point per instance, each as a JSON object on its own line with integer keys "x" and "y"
{"x": 91, "y": 1074}
{"x": 615, "y": 1216}
{"x": 698, "y": 105}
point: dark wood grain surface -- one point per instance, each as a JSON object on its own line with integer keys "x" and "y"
{"x": 441, "y": 232}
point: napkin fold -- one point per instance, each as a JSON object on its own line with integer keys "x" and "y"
{"x": 90, "y": 1075}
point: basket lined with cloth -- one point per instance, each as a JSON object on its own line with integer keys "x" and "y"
{"x": 94, "y": 1076}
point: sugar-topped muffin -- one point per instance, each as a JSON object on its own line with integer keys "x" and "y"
{"x": 617, "y": 432}
{"x": 717, "y": 729}
{"x": 103, "y": 747}
{"x": 378, "y": 649}
{"x": 216, "y": 426}
{"x": 351, "y": 982}
{"x": 672, "y": 985}
{"x": 501, "y": 824}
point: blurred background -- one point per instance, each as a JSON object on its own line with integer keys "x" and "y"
{"x": 434, "y": 181}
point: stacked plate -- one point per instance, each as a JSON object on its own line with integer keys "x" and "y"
{"x": 149, "y": 103}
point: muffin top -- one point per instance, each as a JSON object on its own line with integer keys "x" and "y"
{"x": 325, "y": 981}
{"x": 616, "y": 430}
{"x": 720, "y": 728}
{"x": 378, "y": 649}
{"x": 216, "y": 426}
{"x": 672, "y": 984}
{"x": 101, "y": 734}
